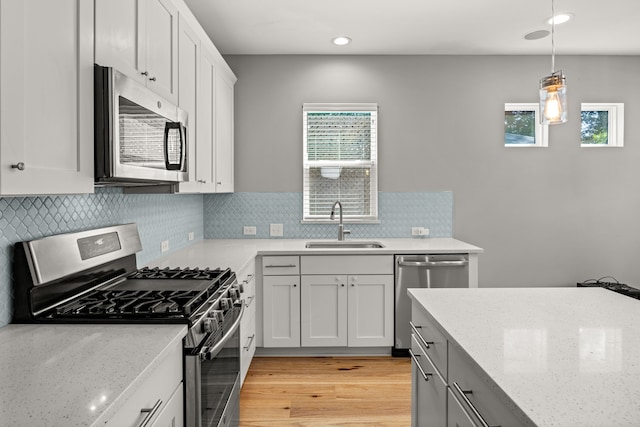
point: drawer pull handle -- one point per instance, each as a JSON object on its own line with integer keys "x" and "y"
{"x": 280, "y": 266}
{"x": 249, "y": 300}
{"x": 248, "y": 346}
{"x": 415, "y": 328}
{"x": 425, "y": 375}
{"x": 248, "y": 279}
{"x": 463, "y": 394}
{"x": 150, "y": 413}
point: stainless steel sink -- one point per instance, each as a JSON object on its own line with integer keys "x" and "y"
{"x": 344, "y": 244}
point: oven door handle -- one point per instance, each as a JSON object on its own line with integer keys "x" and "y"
{"x": 210, "y": 353}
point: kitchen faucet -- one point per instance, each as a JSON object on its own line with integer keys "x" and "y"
{"x": 341, "y": 230}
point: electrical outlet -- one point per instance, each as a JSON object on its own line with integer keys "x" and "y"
{"x": 419, "y": 231}
{"x": 164, "y": 246}
{"x": 249, "y": 230}
{"x": 276, "y": 230}
{"x": 191, "y": 235}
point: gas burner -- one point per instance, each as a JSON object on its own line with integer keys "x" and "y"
{"x": 133, "y": 303}
{"x": 177, "y": 273}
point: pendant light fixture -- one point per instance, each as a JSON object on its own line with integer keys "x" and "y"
{"x": 553, "y": 89}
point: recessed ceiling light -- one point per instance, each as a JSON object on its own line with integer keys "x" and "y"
{"x": 341, "y": 40}
{"x": 559, "y": 18}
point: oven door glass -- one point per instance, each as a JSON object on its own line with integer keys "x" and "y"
{"x": 219, "y": 379}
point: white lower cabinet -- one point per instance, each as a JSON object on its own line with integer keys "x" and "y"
{"x": 159, "y": 400}
{"x": 281, "y": 310}
{"x": 246, "y": 278}
{"x": 346, "y": 310}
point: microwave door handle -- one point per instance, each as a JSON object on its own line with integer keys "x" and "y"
{"x": 168, "y": 127}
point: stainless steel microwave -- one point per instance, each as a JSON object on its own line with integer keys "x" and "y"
{"x": 140, "y": 138}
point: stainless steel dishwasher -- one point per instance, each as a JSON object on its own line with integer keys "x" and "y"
{"x": 423, "y": 271}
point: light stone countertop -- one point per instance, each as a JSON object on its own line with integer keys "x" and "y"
{"x": 76, "y": 375}
{"x": 236, "y": 253}
{"x": 565, "y": 356}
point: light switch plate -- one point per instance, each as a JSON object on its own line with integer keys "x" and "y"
{"x": 164, "y": 246}
{"x": 249, "y": 230}
{"x": 276, "y": 230}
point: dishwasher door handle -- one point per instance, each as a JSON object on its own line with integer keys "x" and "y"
{"x": 432, "y": 264}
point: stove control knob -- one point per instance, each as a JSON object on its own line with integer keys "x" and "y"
{"x": 241, "y": 287}
{"x": 225, "y": 303}
{"x": 207, "y": 326}
{"x": 218, "y": 315}
{"x": 234, "y": 293}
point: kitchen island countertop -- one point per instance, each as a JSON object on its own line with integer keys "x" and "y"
{"x": 565, "y": 356}
{"x": 76, "y": 375}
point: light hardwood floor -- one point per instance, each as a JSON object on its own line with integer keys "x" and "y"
{"x": 327, "y": 391}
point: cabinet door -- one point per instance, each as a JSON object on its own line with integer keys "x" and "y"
{"x": 370, "y": 310}
{"x": 46, "y": 108}
{"x": 118, "y": 23}
{"x": 160, "y": 47}
{"x": 281, "y": 299}
{"x": 224, "y": 134}
{"x": 323, "y": 311}
{"x": 188, "y": 73}
{"x": 206, "y": 127}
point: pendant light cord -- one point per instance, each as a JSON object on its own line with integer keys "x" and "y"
{"x": 553, "y": 43}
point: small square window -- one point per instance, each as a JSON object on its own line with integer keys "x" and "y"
{"x": 522, "y": 126}
{"x": 601, "y": 125}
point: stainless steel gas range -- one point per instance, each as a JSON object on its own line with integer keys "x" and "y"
{"x": 92, "y": 277}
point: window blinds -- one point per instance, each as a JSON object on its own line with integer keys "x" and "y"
{"x": 340, "y": 161}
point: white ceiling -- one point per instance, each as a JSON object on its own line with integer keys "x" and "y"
{"x": 418, "y": 27}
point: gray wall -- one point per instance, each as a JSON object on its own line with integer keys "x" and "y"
{"x": 545, "y": 216}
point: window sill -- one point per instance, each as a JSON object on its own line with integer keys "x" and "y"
{"x": 336, "y": 221}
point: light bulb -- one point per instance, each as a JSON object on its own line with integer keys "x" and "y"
{"x": 552, "y": 107}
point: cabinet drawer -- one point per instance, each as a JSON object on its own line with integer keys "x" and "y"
{"x": 346, "y": 264}
{"x": 280, "y": 265}
{"x": 428, "y": 390}
{"x": 157, "y": 387}
{"x": 456, "y": 416}
{"x": 430, "y": 338}
{"x": 473, "y": 389}
{"x": 247, "y": 340}
{"x": 172, "y": 414}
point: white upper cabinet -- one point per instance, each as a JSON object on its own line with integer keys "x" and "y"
{"x": 46, "y": 107}
{"x": 224, "y": 132}
{"x": 188, "y": 75}
{"x": 140, "y": 39}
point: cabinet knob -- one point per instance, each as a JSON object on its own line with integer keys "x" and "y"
{"x": 202, "y": 181}
{"x": 295, "y": 286}
{"x": 153, "y": 79}
{"x": 342, "y": 284}
{"x": 145, "y": 73}
{"x": 19, "y": 166}
{"x": 219, "y": 182}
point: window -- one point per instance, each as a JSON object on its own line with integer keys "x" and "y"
{"x": 340, "y": 161}
{"x": 601, "y": 125}
{"x": 522, "y": 126}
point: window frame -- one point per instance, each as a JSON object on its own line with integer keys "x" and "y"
{"x": 541, "y": 132}
{"x": 615, "y": 131}
{"x": 372, "y": 164}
